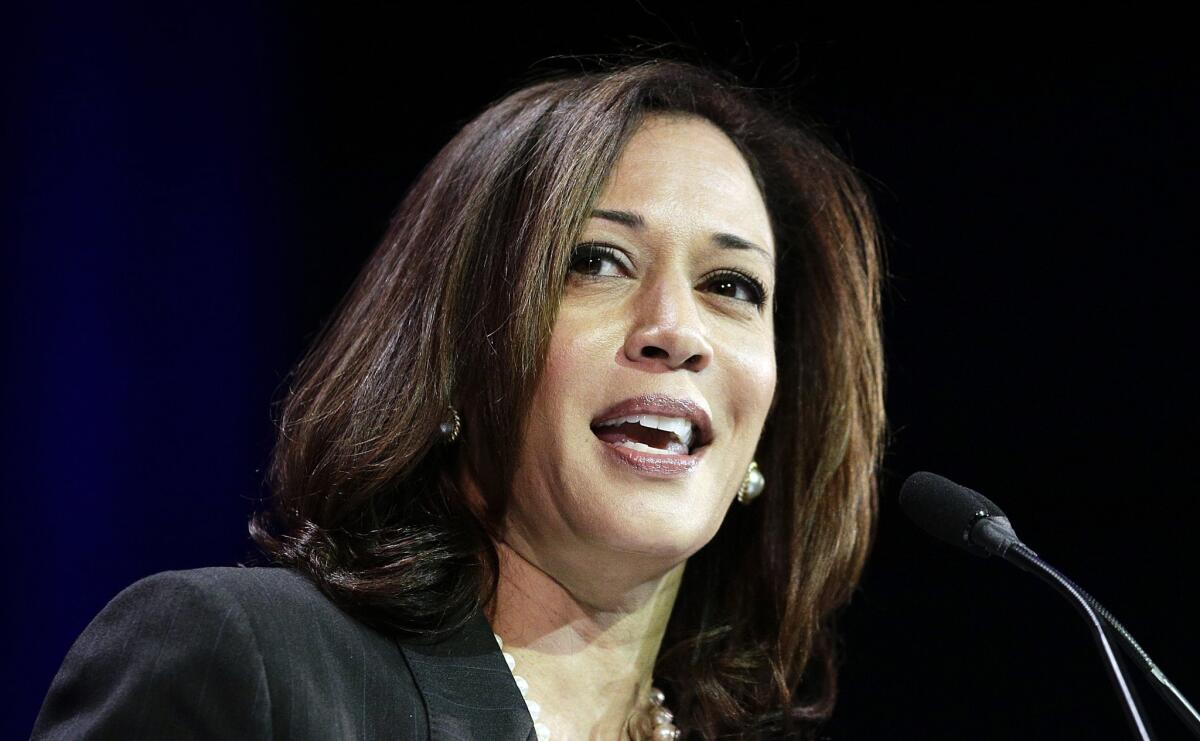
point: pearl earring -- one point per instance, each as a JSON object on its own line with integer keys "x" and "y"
{"x": 752, "y": 484}
{"x": 450, "y": 429}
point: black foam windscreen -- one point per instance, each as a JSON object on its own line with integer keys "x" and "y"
{"x": 943, "y": 508}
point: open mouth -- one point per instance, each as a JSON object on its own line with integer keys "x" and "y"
{"x": 651, "y": 434}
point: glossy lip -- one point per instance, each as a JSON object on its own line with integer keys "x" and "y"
{"x": 657, "y": 465}
{"x": 667, "y": 406}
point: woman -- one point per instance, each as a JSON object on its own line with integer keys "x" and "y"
{"x": 593, "y": 435}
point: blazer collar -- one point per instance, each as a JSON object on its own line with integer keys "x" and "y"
{"x": 468, "y": 689}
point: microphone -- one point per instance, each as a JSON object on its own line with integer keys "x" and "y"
{"x": 957, "y": 515}
{"x": 965, "y": 518}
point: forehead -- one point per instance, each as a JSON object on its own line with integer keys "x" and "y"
{"x": 682, "y": 169}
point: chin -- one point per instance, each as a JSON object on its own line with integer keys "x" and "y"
{"x": 661, "y": 535}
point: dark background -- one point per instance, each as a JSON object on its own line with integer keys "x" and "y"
{"x": 189, "y": 190}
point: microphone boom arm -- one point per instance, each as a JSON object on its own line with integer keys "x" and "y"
{"x": 994, "y": 534}
{"x": 968, "y": 520}
{"x": 1024, "y": 558}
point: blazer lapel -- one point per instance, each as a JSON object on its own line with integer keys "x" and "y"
{"x": 468, "y": 688}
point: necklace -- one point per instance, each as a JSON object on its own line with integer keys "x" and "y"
{"x": 651, "y": 722}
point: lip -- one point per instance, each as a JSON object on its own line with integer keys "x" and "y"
{"x": 657, "y": 465}
{"x": 667, "y": 406}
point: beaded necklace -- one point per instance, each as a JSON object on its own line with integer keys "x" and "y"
{"x": 652, "y": 722}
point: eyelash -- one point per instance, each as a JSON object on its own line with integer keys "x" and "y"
{"x": 755, "y": 287}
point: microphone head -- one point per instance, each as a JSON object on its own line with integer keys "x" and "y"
{"x": 946, "y": 510}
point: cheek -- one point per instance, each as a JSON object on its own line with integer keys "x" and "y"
{"x": 568, "y": 360}
{"x": 575, "y": 360}
{"x": 751, "y": 379}
{"x": 769, "y": 379}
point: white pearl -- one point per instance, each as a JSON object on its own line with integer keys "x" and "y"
{"x": 521, "y": 684}
{"x": 755, "y": 484}
{"x": 508, "y": 659}
{"x": 499, "y": 640}
{"x": 664, "y": 733}
{"x": 542, "y": 730}
{"x": 534, "y": 709}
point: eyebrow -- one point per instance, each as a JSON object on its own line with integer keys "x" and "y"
{"x": 722, "y": 239}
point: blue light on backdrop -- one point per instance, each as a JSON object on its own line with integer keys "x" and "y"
{"x": 143, "y": 280}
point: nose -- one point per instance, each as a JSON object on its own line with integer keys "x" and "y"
{"x": 668, "y": 331}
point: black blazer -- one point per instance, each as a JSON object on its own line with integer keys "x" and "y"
{"x": 261, "y": 653}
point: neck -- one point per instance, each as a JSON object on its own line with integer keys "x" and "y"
{"x": 588, "y": 666}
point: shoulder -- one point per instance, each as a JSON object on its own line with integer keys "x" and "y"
{"x": 229, "y": 584}
{"x": 164, "y": 648}
{"x": 227, "y": 652}
{"x": 254, "y": 612}
{"x": 260, "y": 597}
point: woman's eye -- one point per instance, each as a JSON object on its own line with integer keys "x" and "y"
{"x": 599, "y": 259}
{"x": 590, "y": 258}
{"x": 738, "y": 286}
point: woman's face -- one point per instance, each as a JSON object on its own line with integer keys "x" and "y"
{"x": 661, "y": 307}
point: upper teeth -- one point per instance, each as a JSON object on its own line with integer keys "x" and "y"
{"x": 682, "y": 428}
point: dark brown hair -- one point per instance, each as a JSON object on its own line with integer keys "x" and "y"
{"x": 456, "y": 305}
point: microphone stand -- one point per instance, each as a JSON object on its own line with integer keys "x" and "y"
{"x": 1167, "y": 691}
{"x": 969, "y": 520}
{"x": 1022, "y": 557}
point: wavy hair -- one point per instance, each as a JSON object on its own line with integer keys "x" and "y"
{"x": 456, "y": 305}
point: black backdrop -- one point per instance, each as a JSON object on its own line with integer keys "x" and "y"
{"x": 191, "y": 189}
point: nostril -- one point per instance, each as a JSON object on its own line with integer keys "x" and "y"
{"x": 654, "y": 352}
